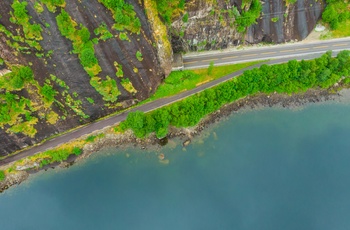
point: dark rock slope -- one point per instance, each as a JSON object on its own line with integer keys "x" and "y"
{"x": 141, "y": 76}
{"x": 211, "y": 24}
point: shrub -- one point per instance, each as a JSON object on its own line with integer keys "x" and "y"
{"x": 210, "y": 68}
{"x": 2, "y": 175}
{"x": 77, "y": 151}
{"x": 185, "y": 18}
{"x": 139, "y": 56}
{"x": 48, "y": 93}
{"x": 87, "y": 58}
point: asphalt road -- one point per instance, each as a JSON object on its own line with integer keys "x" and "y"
{"x": 276, "y": 54}
{"x": 195, "y": 60}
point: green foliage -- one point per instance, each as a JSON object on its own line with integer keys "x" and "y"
{"x": 331, "y": 16}
{"x": 87, "y": 58}
{"x": 107, "y": 88}
{"x": 103, "y": 31}
{"x": 124, "y": 15}
{"x": 169, "y": 9}
{"x": 123, "y": 37}
{"x": 275, "y": 19}
{"x": 248, "y": 18}
{"x": 90, "y": 100}
{"x": 91, "y": 138}
{"x": 336, "y": 13}
{"x": 53, "y": 4}
{"x": 139, "y": 56}
{"x": 2, "y": 175}
{"x": 85, "y": 50}
{"x": 48, "y": 93}
{"x": 210, "y": 68}
{"x": 185, "y": 18}
{"x": 77, "y": 151}
{"x": 20, "y": 16}
{"x": 179, "y": 81}
{"x": 291, "y": 77}
{"x": 17, "y": 78}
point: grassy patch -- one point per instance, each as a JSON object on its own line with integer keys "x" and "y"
{"x": 343, "y": 30}
{"x": 126, "y": 83}
{"x": 179, "y": 81}
{"x": 2, "y": 175}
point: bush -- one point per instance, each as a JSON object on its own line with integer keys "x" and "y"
{"x": 87, "y": 58}
{"x": 210, "y": 68}
{"x": 77, "y": 151}
{"x": 2, "y": 175}
{"x": 48, "y": 93}
{"x": 331, "y": 16}
{"x": 185, "y": 18}
{"x": 139, "y": 56}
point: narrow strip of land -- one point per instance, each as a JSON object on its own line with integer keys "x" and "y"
{"x": 113, "y": 120}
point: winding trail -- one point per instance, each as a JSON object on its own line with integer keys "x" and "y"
{"x": 277, "y": 54}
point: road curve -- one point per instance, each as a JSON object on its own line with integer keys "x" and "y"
{"x": 276, "y": 55}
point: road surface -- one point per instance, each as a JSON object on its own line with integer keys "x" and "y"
{"x": 277, "y": 54}
{"x": 201, "y": 60}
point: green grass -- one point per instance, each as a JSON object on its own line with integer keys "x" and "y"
{"x": 2, "y": 175}
{"x": 343, "y": 30}
{"x": 179, "y": 81}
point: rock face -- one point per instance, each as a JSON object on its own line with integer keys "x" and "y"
{"x": 282, "y": 23}
{"x": 145, "y": 74}
{"x": 210, "y": 27}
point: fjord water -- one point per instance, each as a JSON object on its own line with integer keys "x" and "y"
{"x": 266, "y": 169}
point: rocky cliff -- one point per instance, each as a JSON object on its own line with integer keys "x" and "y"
{"x": 212, "y": 24}
{"x": 65, "y": 91}
{"x": 64, "y": 63}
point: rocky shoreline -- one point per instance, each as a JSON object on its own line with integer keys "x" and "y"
{"x": 186, "y": 134}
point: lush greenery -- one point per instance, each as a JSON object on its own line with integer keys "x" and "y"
{"x": 32, "y": 32}
{"x": 58, "y": 155}
{"x": 291, "y": 77}
{"x": 124, "y": 15}
{"x": 53, "y": 4}
{"x": 179, "y": 81}
{"x": 247, "y": 17}
{"x": 2, "y": 175}
{"x": 337, "y": 13}
{"x": 170, "y": 9}
{"x": 103, "y": 31}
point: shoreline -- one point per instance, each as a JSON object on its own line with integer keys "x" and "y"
{"x": 128, "y": 139}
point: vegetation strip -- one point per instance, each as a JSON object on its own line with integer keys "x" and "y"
{"x": 291, "y": 77}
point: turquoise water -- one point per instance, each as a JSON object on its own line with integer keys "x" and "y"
{"x": 266, "y": 169}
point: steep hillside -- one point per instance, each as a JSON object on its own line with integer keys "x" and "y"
{"x": 72, "y": 62}
{"x": 64, "y": 63}
{"x": 210, "y": 25}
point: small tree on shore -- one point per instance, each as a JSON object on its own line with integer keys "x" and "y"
{"x": 2, "y": 175}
